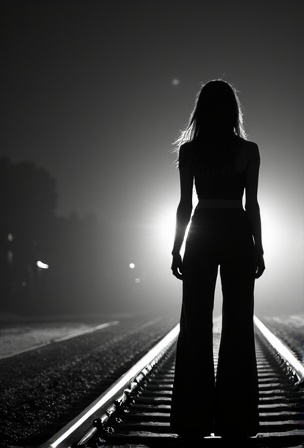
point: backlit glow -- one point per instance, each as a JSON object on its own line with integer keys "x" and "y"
{"x": 276, "y": 233}
{"x": 167, "y": 226}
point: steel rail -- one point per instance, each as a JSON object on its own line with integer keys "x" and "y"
{"x": 95, "y": 416}
{"x": 283, "y": 351}
{"x": 81, "y": 427}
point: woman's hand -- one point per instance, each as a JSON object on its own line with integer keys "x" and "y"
{"x": 177, "y": 266}
{"x": 259, "y": 265}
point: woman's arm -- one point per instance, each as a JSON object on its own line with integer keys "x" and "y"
{"x": 252, "y": 206}
{"x": 183, "y": 213}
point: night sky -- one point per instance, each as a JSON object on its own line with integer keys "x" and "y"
{"x": 96, "y": 92}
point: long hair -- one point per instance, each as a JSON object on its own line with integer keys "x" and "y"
{"x": 216, "y": 118}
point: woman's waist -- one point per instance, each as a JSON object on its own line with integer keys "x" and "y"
{"x": 224, "y": 217}
{"x": 219, "y": 204}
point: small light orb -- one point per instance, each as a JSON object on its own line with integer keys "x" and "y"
{"x": 131, "y": 265}
{"x": 175, "y": 82}
{"x": 42, "y": 265}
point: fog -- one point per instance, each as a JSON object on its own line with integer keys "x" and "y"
{"x": 95, "y": 95}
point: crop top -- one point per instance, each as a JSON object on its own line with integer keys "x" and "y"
{"x": 216, "y": 186}
{"x": 220, "y": 187}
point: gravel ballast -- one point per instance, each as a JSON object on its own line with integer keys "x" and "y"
{"x": 42, "y": 390}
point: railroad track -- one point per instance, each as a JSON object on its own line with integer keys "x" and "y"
{"x": 134, "y": 411}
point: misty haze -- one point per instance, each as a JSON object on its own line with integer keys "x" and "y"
{"x": 94, "y": 95}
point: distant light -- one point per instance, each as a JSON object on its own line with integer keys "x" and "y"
{"x": 42, "y": 265}
{"x": 131, "y": 265}
{"x": 137, "y": 280}
{"x": 175, "y": 82}
{"x": 10, "y": 256}
{"x": 10, "y": 237}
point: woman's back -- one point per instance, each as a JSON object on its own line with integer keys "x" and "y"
{"x": 214, "y": 180}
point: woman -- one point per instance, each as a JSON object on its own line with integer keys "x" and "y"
{"x": 215, "y": 158}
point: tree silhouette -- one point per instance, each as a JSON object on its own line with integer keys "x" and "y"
{"x": 87, "y": 272}
{"x": 28, "y": 201}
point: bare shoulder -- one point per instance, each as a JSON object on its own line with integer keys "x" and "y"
{"x": 184, "y": 154}
{"x": 250, "y": 148}
{"x": 249, "y": 153}
{"x": 185, "y": 147}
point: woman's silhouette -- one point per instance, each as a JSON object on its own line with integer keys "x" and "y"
{"x": 215, "y": 157}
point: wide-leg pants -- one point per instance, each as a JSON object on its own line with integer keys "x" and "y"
{"x": 217, "y": 239}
